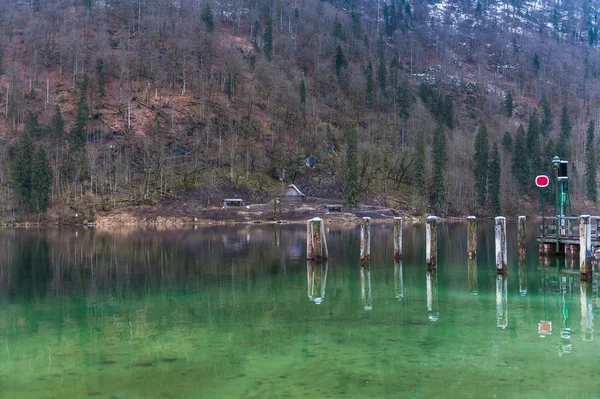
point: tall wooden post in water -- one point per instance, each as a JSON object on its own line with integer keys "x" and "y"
{"x": 501, "y": 254}
{"x": 397, "y": 238}
{"x": 365, "y": 239}
{"x": 472, "y": 236}
{"x": 431, "y": 246}
{"x": 521, "y": 231}
{"x": 585, "y": 248}
{"x": 316, "y": 242}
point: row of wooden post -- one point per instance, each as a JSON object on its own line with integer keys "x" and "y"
{"x": 316, "y": 243}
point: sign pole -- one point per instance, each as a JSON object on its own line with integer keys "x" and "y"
{"x": 543, "y": 218}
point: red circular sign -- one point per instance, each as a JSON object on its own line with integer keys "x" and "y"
{"x": 542, "y": 181}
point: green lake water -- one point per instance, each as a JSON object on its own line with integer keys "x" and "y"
{"x": 236, "y": 312}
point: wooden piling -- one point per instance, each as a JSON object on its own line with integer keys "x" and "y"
{"x": 365, "y": 239}
{"x": 585, "y": 248}
{"x": 431, "y": 247}
{"x": 501, "y": 301}
{"x": 316, "y": 242}
{"x": 365, "y": 286}
{"x": 472, "y": 237}
{"x": 397, "y": 238}
{"x": 522, "y": 247}
{"x": 473, "y": 276}
{"x": 432, "y": 295}
{"x": 398, "y": 280}
{"x": 501, "y": 254}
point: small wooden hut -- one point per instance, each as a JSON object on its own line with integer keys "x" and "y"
{"x": 292, "y": 193}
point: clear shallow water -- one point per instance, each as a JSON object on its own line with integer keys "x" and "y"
{"x": 227, "y": 312}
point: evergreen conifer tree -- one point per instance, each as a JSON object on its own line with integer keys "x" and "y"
{"x": 563, "y": 147}
{"x": 370, "y": 89}
{"x": 519, "y": 164}
{"x": 421, "y": 182}
{"x": 438, "y": 181}
{"x": 404, "y": 98}
{"x": 31, "y": 124}
{"x": 381, "y": 74}
{"x": 507, "y": 143}
{"x": 480, "y": 163}
{"x": 591, "y": 190}
{"x": 208, "y": 19}
{"x": 41, "y": 181}
{"x": 548, "y": 168}
{"x": 338, "y": 30}
{"x": 57, "y": 128}
{"x": 494, "y": 179}
{"x": 536, "y": 63}
{"x": 546, "y": 122}
{"x": 508, "y": 104}
{"x": 100, "y": 77}
{"x": 21, "y": 172}
{"x": 533, "y": 148}
{"x": 268, "y": 38}
{"x": 351, "y": 189}
{"x": 448, "y": 112}
{"x": 340, "y": 60}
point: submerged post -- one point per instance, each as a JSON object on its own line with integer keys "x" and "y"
{"x": 472, "y": 237}
{"x": 397, "y": 238}
{"x": 316, "y": 243}
{"x": 365, "y": 287}
{"x": 585, "y": 248}
{"x": 398, "y": 280}
{"x": 587, "y": 315}
{"x": 472, "y": 276}
{"x": 431, "y": 247}
{"x": 432, "y": 295}
{"x": 365, "y": 239}
{"x": 521, "y": 231}
{"x": 316, "y": 277}
{"x": 501, "y": 302}
{"x": 501, "y": 255}
{"x": 522, "y": 276}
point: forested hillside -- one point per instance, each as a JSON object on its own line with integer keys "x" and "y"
{"x": 447, "y": 106}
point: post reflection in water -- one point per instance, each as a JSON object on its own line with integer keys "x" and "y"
{"x": 398, "y": 280}
{"x": 501, "y": 302}
{"x": 545, "y": 325}
{"x": 566, "y": 293}
{"x": 432, "y": 295}
{"x": 522, "y": 275}
{"x": 365, "y": 286}
{"x": 473, "y": 276}
{"x": 316, "y": 277}
{"x": 587, "y": 315}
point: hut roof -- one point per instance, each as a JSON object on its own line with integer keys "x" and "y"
{"x": 293, "y": 187}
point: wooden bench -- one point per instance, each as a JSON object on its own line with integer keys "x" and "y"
{"x": 333, "y": 208}
{"x": 232, "y": 202}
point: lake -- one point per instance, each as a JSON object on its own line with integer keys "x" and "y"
{"x": 236, "y": 312}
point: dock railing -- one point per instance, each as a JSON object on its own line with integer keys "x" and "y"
{"x": 567, "y": 227}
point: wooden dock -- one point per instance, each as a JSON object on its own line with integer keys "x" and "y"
{"x": 562, "y": 235}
